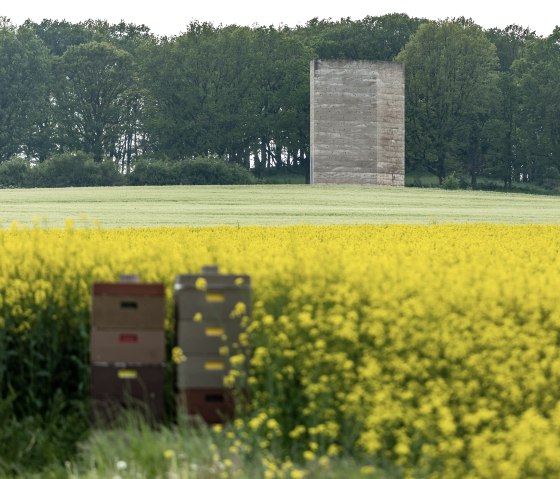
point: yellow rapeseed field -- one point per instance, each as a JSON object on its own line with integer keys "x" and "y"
{"x": 435, "y": 348}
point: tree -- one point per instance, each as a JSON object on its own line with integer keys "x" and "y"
{"x": 372, "y": 38}
{"x": 237, "y": 92}
{"x": 280, "y": 118}
{"x": 510, "y": 43}
{"x": 95, "y": 94}
{"x": 450, "y": 86}
{"x": 502, "y": 130}
{"x": 25, "y": 75}
{"x": 536, "y": 76}
{"x": 187, "y": 77}
{"x": 59, "y": 35}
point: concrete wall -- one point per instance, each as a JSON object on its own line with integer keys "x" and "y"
{"x": 357, "y": 122}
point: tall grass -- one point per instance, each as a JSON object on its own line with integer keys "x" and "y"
{"x": 189, "y": 450}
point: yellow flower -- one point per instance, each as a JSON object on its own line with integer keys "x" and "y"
{"x": 297, "y": 432}
{"x": 402, "y": 449}
{"x": 177, "y": 355}
{"x": 239, "y": 310}
{"x": 309, "y": 455}
{"x": 237, "y": 360}
{"x": 367, "y": 470}
{"x": 168, "y": 453}
{"x": 23, "y": 327}
{"x": 297, "y": 474}
{"x": 229, "y": 380}
{"x": 273, "y": 425}
{"x": 40, "y": 297}
{"x": 333, "y": 450}
{"x": 440, "y": 335}
{"x": 201, "y": 284}
{"x": 244, "y": 339}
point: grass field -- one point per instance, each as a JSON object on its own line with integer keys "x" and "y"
{"x": 270, "y": 205}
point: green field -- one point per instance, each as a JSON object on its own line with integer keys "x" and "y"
{"x": 269, "y": 205}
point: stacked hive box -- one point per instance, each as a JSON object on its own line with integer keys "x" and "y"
{"x": 209, "y": 309}
{"x": 127, "y": 348}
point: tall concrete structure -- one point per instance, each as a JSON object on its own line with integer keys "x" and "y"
{"x": 357, "y": 122}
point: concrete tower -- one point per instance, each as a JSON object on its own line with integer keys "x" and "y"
{"x": 357, "y": 122}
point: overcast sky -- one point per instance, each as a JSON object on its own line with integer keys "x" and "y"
{"x": 169, "y": 17}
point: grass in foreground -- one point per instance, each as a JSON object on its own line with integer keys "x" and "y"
{"x": 269, "y": 205}
{"x": 196, "y": 452}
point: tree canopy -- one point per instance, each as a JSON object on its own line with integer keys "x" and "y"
{"x": 451, "y": 84}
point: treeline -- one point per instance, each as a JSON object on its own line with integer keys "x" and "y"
{"x": 80, "y": 169}
{"x": 482, "y": 103}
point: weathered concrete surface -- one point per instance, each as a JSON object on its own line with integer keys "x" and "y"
{"x": 357, "y": 122}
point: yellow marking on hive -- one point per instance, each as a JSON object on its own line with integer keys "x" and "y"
{"x": 214, "y": 365}
{"x": 214, "y": 331}
{"x": 215, "y": 298}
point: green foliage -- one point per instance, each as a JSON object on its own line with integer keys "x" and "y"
{"x": 197, "y": 171}
{"x": 372, "y": 38}
{"x": 451, "y": 182}
{"x": 14, "y": 173}
{"x": 58, "y": 35}
{"x": 73, "y": 169}
{"x": 234, "y": 91}
{"x": 40, "y": 443}
{"x": 148, "y": 171}
{"x": 451, "y": 83}
{"x": 25, "y": 69}
{"x": 213, "y": 171}
{"x": 536, "y": 76}
{"x": 510, "y": 43}
{"x": 283, "y": 176}
{"x": 421, "y": 179}
{"x": 133, "y": 450}
{"x": 94, "y": 93}
{"x": 551, "y": 177}
{"x": 79, "y": 169}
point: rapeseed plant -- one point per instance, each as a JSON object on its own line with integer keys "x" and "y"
{"x": 435, "y": 348}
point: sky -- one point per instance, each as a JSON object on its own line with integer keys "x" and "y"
{"x": 170, "y": 17}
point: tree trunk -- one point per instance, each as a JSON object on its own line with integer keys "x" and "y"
{"x": 307, "y": 167}
{"x": 278, "y": 157}
{"x": 262, "y": 163}
{"x": 476, "y": 161}
{"x": 474, "y": 181}
{"x": 97, "y": 146}
{"x": 441, "y": 173}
